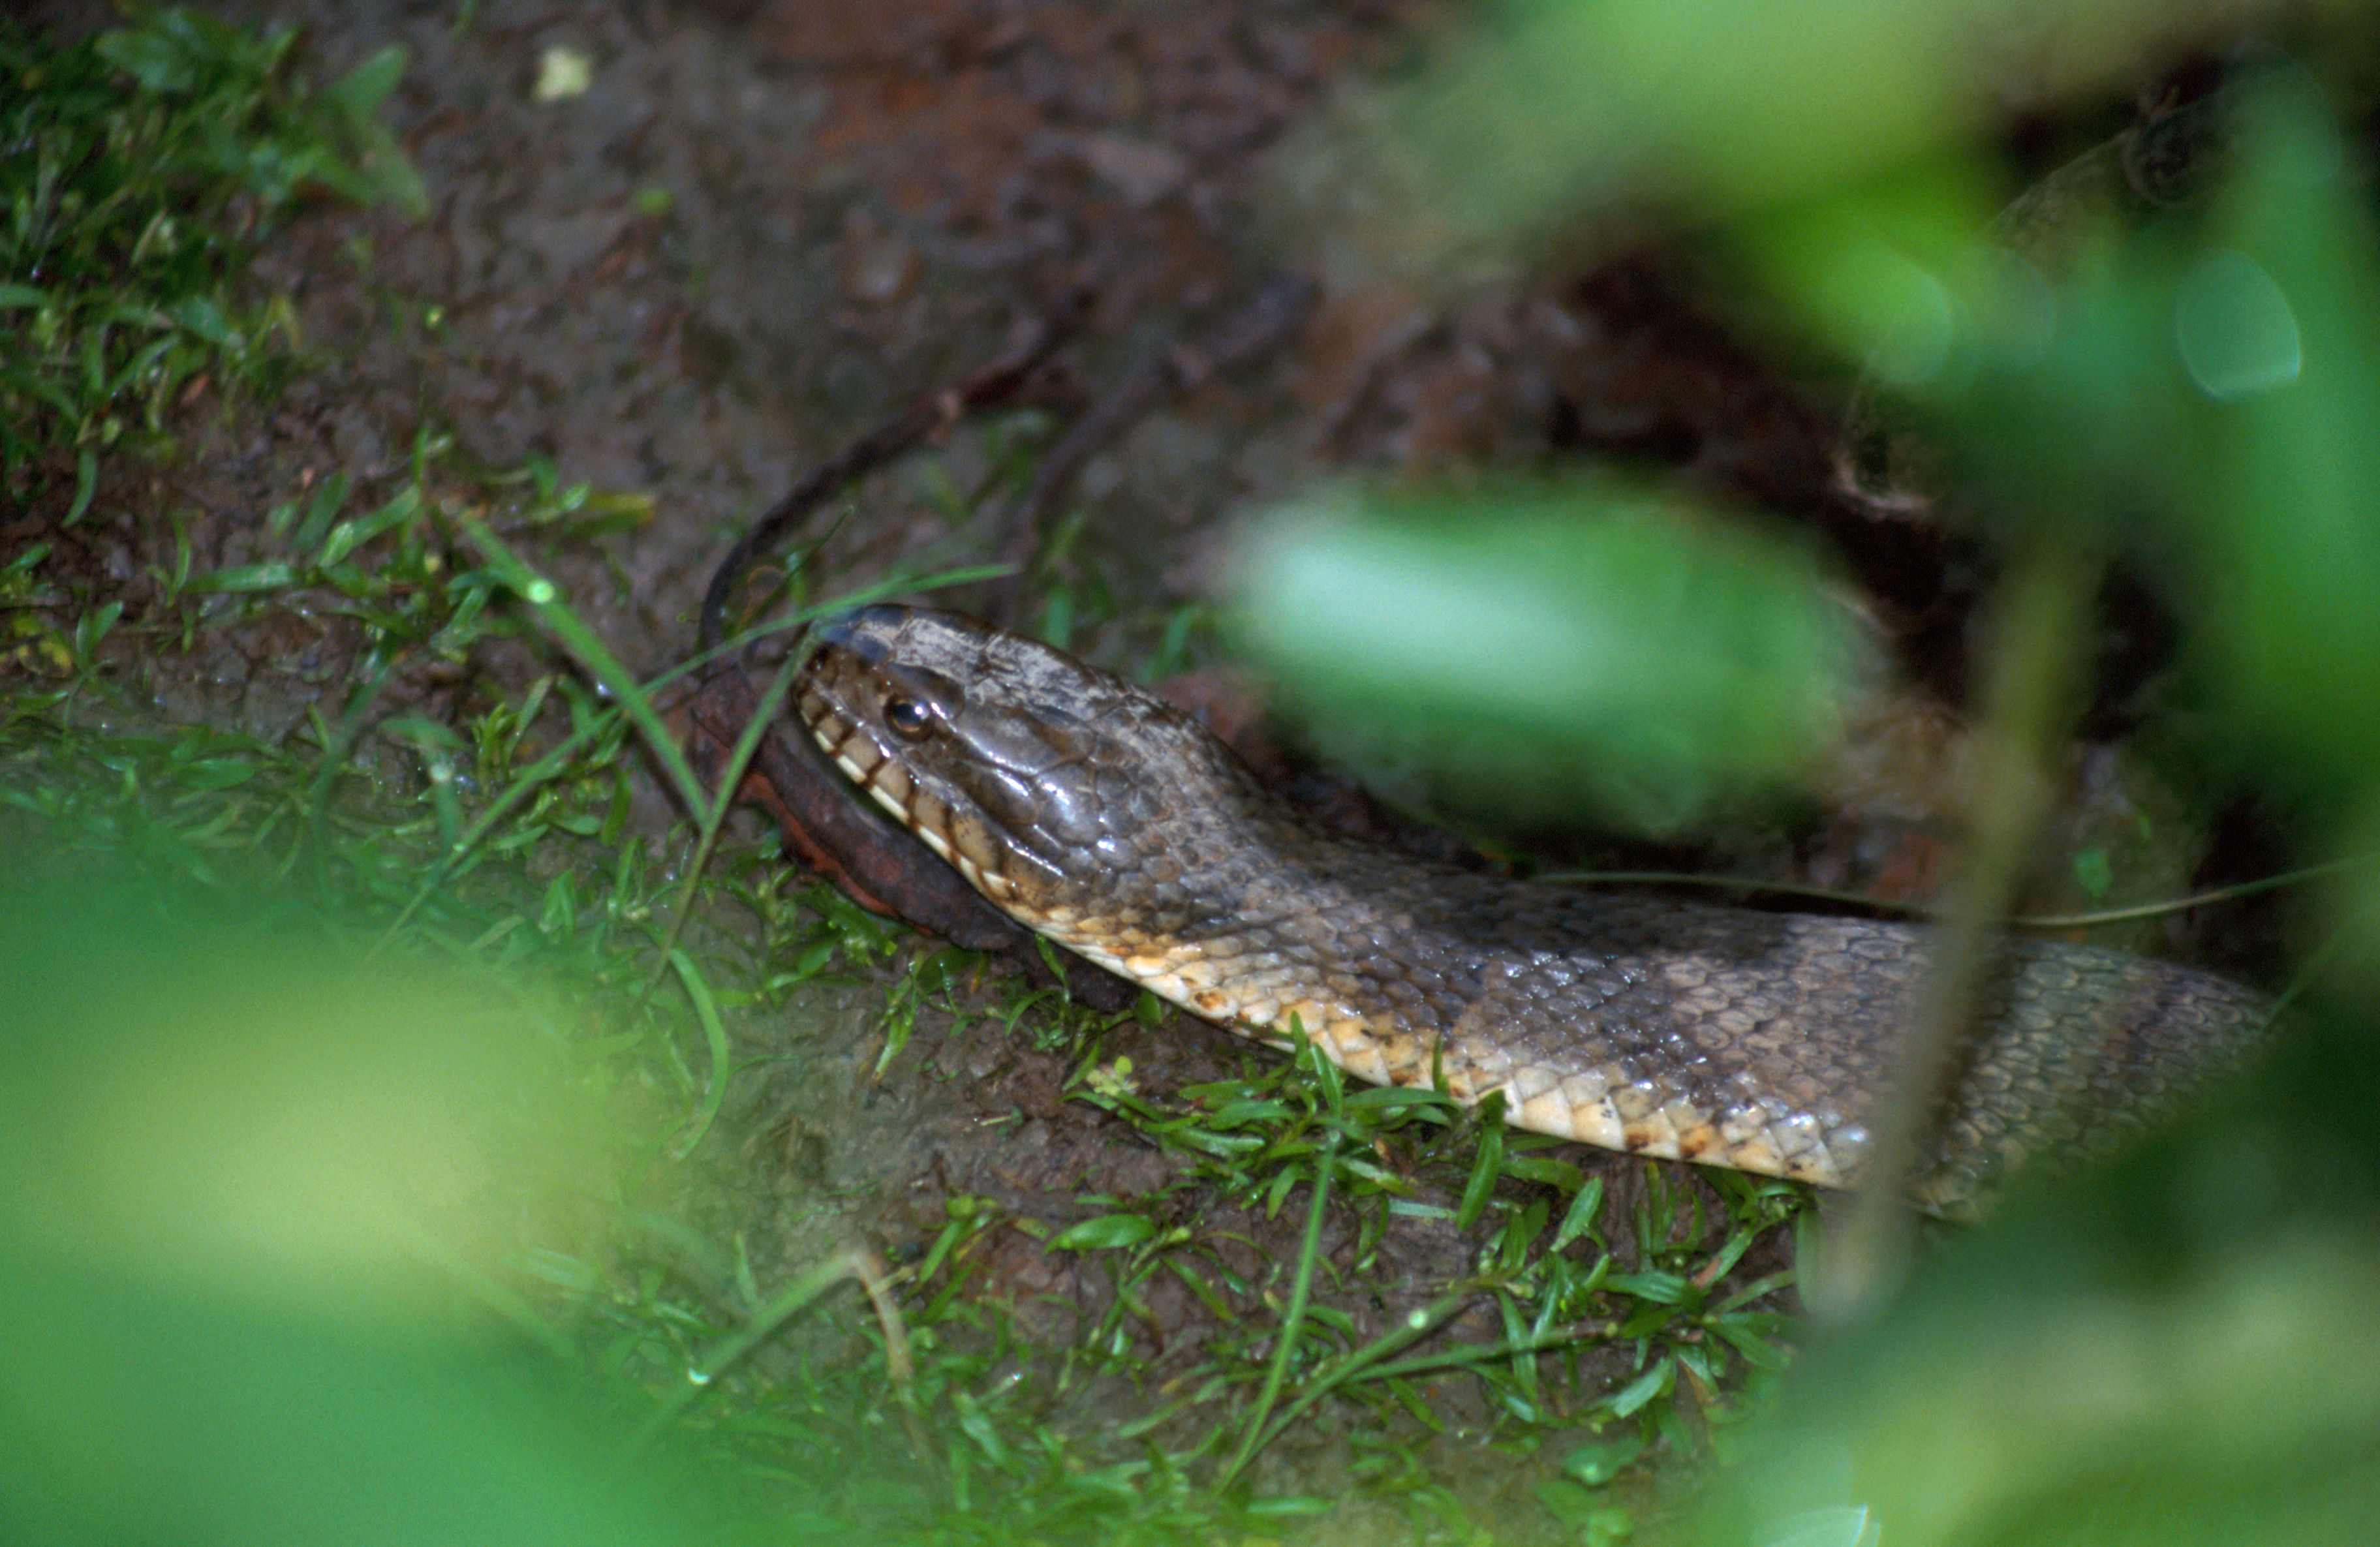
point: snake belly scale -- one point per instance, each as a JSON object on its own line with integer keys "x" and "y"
{"x": 1120, "y": 828}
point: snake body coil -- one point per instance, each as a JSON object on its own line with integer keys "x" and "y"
{"x": 1120, "y": 828}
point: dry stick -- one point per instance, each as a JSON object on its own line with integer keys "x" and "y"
{"x": 1338, "y": 421}
{"x": 928, "y": 416}
{"x": 1248, "y": 335}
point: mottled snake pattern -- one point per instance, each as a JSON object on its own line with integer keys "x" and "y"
{"x": 1119, "y": 826}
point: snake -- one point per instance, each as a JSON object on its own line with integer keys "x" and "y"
{"x": 1122, "y": 829}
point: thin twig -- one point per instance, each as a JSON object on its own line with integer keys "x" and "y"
{"x": 1247, "y": 335}
{"x": 922, "y": 419}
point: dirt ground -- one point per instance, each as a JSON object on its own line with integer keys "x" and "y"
{"x": 685, "y": 252}
{"x": 757, "y": 229}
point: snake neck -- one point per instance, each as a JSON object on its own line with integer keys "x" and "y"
{"x": 1117, "y": 825}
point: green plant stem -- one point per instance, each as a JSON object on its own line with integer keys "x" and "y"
{"x": 714, "y": 1032}
{"x": 587, "y": 648}
{"x": 1293, "y": 1319}
{"x": 712, "y": 814}
{"x": 2092, "y": 919}
{"x": 857, "y": 1264}
{"x": 2037, "y": 643}
{"x": 1365, "y": 1362}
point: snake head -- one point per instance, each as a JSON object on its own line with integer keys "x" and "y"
{"x": 1015, "y": 762}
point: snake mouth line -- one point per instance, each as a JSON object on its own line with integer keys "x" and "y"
{"x": 851, "y": 748}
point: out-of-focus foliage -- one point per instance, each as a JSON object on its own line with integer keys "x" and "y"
{"x": 1550, "y": 648}
{"x": 2196, "y": 388}
{"x": 2056, "y": 1399}
{"x": 137, "y": 1410}
{"x": 2189, "y": 384}
{"x": 2182, "y": 1350}
{"x": 211, "y": 1104}
{"x": 249, "y": 1195}
{"x": 2206, "y": 391}
{"x": 1718, "y": 108}
{"x": 1895, "y": 271}
{"x": 2276, "y": 321}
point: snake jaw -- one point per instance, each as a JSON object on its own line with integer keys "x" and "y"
{"x": 956, "y": 838}
{"x": 887, "y": 707}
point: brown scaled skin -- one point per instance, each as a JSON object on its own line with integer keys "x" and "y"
{"x": 1117, "y": 825}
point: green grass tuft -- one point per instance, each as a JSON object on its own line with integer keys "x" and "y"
{"x": 144, "y": 163}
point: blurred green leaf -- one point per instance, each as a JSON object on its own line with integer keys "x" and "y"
{"x": 138, "y": 1412}
{"x": 1558, "y": 649}
{"x": 1595, "y": 1464}
{"x": 1555, "y": 107}
{"x": 2023, "y": 1401}
{"x": 1890, "y": 272}
{"x": 359, "y": 92}
{"x": 1105, "y": 1233}
{"x": 2277, "y": 326}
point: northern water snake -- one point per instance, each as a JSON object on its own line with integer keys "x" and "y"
{"x": 1119, "y": 826}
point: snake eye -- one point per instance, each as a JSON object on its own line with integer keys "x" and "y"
{"x": 907, "y": 717}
